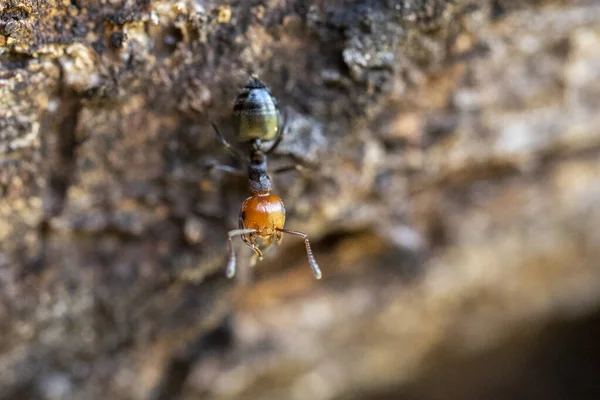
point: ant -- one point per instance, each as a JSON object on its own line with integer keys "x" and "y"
{"x": 256, "y": 120}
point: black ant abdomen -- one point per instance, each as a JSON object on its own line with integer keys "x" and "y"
{"x": 255, "y": 113}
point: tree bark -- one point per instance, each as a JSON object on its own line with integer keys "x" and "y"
{"x": 449, "y": 184}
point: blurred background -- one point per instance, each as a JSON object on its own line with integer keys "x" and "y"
{"x": 450, "y": 183}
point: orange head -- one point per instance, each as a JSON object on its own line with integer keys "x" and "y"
{"x": 261, "y": 225}
{"x": 263, "y": 212}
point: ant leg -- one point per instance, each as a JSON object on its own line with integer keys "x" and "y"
{"x": 230, "y": 271}
{"x": 225, "y": 168}
{"x": 311, "y": 258}
{"x": 228, "y": 146}
{"x": 280, "y": 133}
{"x": 288, "y": 168}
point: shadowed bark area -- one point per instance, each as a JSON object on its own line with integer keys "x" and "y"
{"x": 450, "y": 183}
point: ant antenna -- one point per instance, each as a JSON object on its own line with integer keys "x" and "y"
{"x": 311, "y": 258}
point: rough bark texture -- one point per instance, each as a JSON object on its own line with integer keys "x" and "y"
{"x": 451, "y": 190}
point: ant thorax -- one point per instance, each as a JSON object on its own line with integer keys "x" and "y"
{"x": 257, "y": 174}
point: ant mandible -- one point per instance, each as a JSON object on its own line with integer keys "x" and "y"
{"x": 256, "y": 120}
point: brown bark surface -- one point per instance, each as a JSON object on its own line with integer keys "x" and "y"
{"x": 450, "y": 187}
